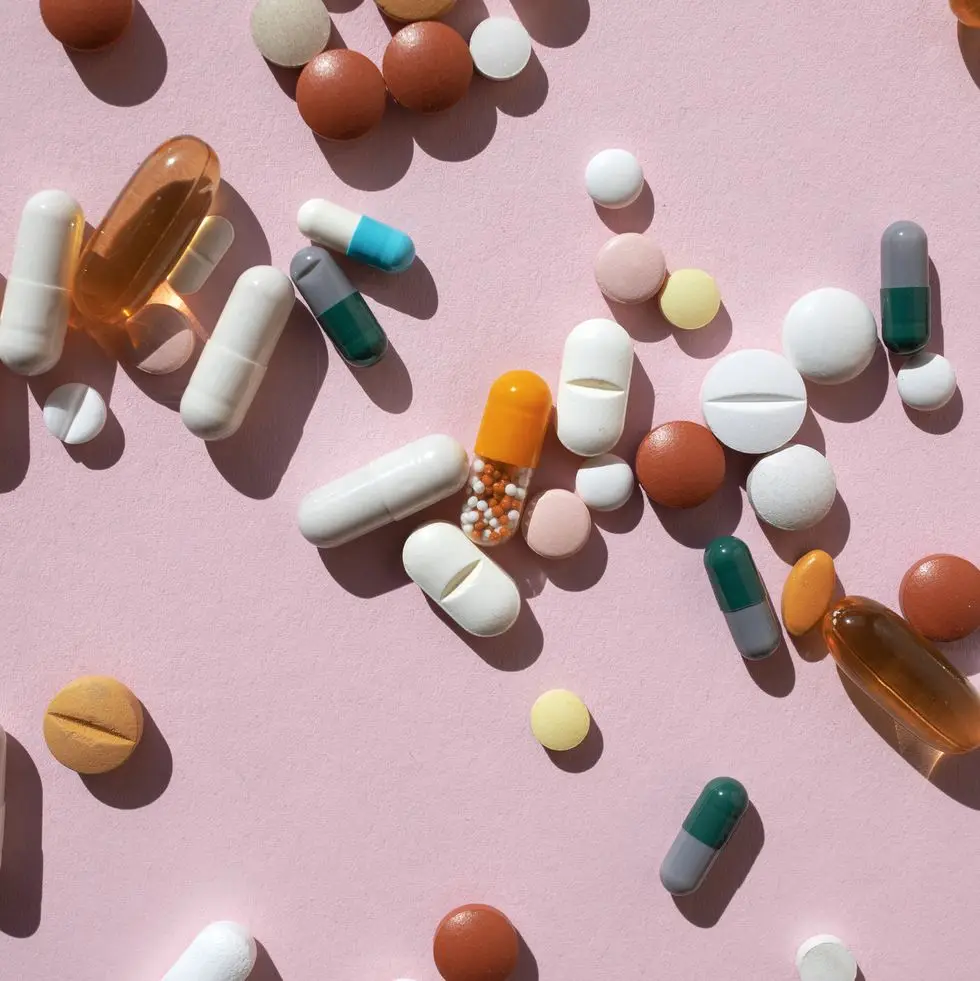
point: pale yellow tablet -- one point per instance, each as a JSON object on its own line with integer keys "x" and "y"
{"x": 560, "y": 720}
{"x": 690, "y": 299}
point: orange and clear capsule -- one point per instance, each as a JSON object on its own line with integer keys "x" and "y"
{"x": 508, "y": 447}
{"x": 967, "y": 11}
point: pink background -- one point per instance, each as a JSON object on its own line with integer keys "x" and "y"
{"x": 345, "y": 766}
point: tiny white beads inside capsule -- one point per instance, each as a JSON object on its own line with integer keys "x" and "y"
{"x": 477, "y": 466}
{"x": 481, "y": 505}
{"x": 513, "y": 515}
{"x": 510, "y": 490}
{"x": 478, "y": 486}
{"x": 471, "y": 503}
{"x": 467, "y": 528}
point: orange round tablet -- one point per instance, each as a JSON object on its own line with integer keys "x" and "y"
{"x": 427, "y": 67}
{"x": 475, "y": 943}
{"x": 341, "y": 95}
{"x": 680, "y": 464}
{"x": 87, "y": 25}
{"x": 408, "y": 11}
{"x": 940, "y": 597}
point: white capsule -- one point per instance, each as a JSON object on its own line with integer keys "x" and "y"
{"x": 387, "y": 489}
{"x": 208, "y": 247}
{"x": 233, "y": 362}
{"x": 75, "y": 413}
{"x": 34, "y": 318}
{"x": 223, "y": 951}
{"x": 357, "y": 236}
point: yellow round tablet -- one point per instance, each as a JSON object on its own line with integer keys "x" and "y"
{"x": 560, "y": 720}
{"x": 690, "y": 299}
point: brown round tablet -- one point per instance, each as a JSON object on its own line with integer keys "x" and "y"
{"x": 87, "y": 25}
{"x": 940, "y": 597}
{"x": 408, "y": 11}
{"x": 341, "y": 95}
{"x": 680, "y": 464}
{"x": 475, "y": 943}
{"x": 427, "y": 67}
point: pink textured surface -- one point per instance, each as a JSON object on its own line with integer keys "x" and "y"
{"x": 346, "y": 768}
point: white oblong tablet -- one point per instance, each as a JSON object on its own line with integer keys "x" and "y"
{"x": 605, "y": 482}
{"x": 793, "y": 488}
{"x": 926, "y": 381}
{"x": 825, "y": 958}
{"x": 753, "y": 401}
{"x": 614, "y": 178}
{"x": 593, "y": 387}
{"x": 500, "y": 48}
{"x": 461, "y": 579}
{"x": 207, "y": 248}
{"x": 74, "y": 413}
{"x": 223, "y": 951}
{"x": 830, "y": 336}
{"x": 387, "y": 489}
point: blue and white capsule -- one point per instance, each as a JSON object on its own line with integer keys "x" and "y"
{"x": 354, "y": 235}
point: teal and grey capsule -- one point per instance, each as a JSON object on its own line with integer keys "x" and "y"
{"x": 339, "y": 309}
{"x": 706, "y": 829}
{"x": 742, "y": 597}
{"x": 905, "y": 314}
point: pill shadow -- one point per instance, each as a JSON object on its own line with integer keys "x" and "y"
{"x": 15, "y": 441}
{"x": 255, "y": 458}
{"x": 830, "y": 534}
{"x": 811, "y": 647}
{"x": 371, "y": 566}
{"x": 854, "y": 400}
{"x": 964, "y": 654}
{"x": 639, "y": 411}
{"x": 940, "y": 422}
{"x": 697, "y": 527}
{"x": 412, "y": 292}
{"x": 264, "y": 969}
{"x": 635, "y": 217}
{"x": 584, "y": 756}
{"x": 22, "y": 868}
{"x": 387, "y": 384}
{"x": 705, "y": 907}
{"x": 969, "y": 42}
{"x": 514, "y": 650}
{"x": 642, "y": 321}
{"x": 129, "y": 72}
{"x": 551, "y": 25}
{"x": 580, "y": 571}
{"x": 460, "y": 133}
{"x": 521, "y": 96}
{"x": 527, "y": 963}
{"x": 379, "y": 159}
{"x": 707, "y": 341}
{"x": 775, "y": 674}
{"x": 142, "y": 779}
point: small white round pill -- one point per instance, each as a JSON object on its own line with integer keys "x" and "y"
{"x": 614, "y": 178}
{"x": 825, "y": 958}
{"x": 926, "y": 381}
{"x": 290, "y": 32}
{"x": 604, "y": 482}
{"x": 830, "y": 336}
{"x": 793, "y": 488}
{"x": 500, "y": 48}
{"x": 754, "y": 401}
{"x": 74, "y": 413}
{"x": 223, "y": 951}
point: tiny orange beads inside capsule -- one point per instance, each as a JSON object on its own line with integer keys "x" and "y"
{"x": 808, "y": 592}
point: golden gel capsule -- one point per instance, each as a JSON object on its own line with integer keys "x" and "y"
{"x": 146, "y": 230}
{"x": 904, "y": 673}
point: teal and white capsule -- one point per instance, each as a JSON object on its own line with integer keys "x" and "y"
{"x": 706, "y": 829}
{"x": 742, "y": 596}
{"x": 356, "y": 236}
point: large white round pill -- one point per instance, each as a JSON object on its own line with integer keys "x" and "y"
{"x": 74, "y": 413}
{"x": 290, "y": 32}
{"x": 793, "y": 488}
{"x": 604, "y": 482}
{"x": 825, "y": 958}
{"x": 926, "y": 381}
{"x": 830, "y": 336}
{"x": 614, "y": 178}
{"x": 500, "y": 48}
{"x": 753, "y": 401}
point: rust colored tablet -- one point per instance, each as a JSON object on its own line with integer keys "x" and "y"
{"x": 87, "y": 25}
{"x": 408, "y": 11}
{"x": 680, "y": 464}
{"x": 427, "y": 67}
{"x": 475, "y": 943}
{"x": 341, "y": 95}
{"x": 940, "y": 597}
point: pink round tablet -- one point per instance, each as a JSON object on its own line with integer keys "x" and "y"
{"x": 556, "y": 524}
{"x": 630, "y": 268}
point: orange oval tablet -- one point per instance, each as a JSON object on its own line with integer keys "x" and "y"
{"x": 808, "y": 592}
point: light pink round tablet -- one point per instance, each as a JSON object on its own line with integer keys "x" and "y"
{"x": 556, "y": 524}
{"x": 630, "y": 268}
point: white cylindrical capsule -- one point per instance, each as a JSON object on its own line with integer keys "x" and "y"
{"x": 223, "y": 951}
{"x": 461, "y": 579}
{"x": 233, "y": 362}
{"x": 354, "y": 235}
{"x": 593, "y": 387}
{"x": 387, "y": 489}
{"x": 208, "y": 247}
{"x": 34, "y": 318}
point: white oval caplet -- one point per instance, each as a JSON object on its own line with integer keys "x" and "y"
{"x": 223, "y": 951}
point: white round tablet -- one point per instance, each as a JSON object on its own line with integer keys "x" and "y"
{"x": 614, "y": 178}
{"x": 825, "y": 958}
{"x": 74, "y": 413}
{"x": 793, "y": 488}
{"x": 500, "y": 48}
{"x": 604, "y": 482}
{"x": 830, "y": 336}
{"x": 753, "y": 401}
{"x": 290, "y": 32}
{"x": 926, "y": 381}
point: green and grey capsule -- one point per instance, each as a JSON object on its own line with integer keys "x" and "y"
{"x": 905, "y": 312}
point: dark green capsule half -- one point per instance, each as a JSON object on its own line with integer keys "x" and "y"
{"x": 716, "y": 812}
{"x": 905, "y": 300}
{"x": 733, "y": 575}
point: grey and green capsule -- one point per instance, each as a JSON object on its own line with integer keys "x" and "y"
{"x": 339, "y": 309}
{"x": 742, "y": 597}
{"x": 706, "y": 829}
{"x": 905, "y": 313}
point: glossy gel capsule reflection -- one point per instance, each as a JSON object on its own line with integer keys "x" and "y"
{"x": 905, "y": 314}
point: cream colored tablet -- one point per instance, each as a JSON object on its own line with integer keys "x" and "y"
{"x": 559, "y": 720}
{"x": 690, "y": 300}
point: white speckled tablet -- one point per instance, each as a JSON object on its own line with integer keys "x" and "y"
{"x": 500, "y": 48}
{"x": 614, "y": 178}
{"x": 825, "y": 958}
{"x": 605, "y": 482}
{"x": 74, "y": 413}
{"x": 793, "y": 488}
{"x": 926, "y": 381}
{"x": 223, "y": 951}
{"x": 290, "y": 32}
{"x": 830, "y": 336}
{"x": 753, "y": 401}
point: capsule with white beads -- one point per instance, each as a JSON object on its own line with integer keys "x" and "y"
{"x": 223, "y": 951}
{"x": 356, "y": 236}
